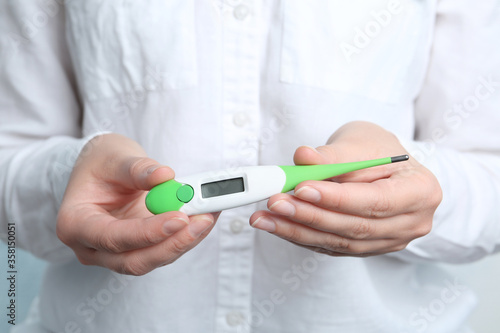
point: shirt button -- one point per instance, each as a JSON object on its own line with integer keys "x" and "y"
{"x": 150, "y": 87}
{"x": 240, "y": 119}
{"x": 236, "y": 226}
{"x": 235, "y": 318}
{"x": 241, "y": 12}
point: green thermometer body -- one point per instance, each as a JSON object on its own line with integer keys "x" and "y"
{"x": 216, "y": 191}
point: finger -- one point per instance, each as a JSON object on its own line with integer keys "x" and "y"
{"x": 345, "y": 225}
{"x": 96, "y": 229}
{"x": 394, "y": 248}
{"x": 300, "y": 234}
{"x": 142, "y": 261}
{"x": 382, "y": 198}
{"x": 141, "y": 173}
{"x": 307, "y": 155}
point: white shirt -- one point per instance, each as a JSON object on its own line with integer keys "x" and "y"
{"x": 204, "y": 85}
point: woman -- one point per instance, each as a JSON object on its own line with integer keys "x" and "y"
{"x": 103, "y": 100}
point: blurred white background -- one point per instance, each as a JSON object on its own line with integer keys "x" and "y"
{"x": 484, "y": 278}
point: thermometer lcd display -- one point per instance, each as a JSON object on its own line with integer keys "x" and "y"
{"x": 222, "y": 187}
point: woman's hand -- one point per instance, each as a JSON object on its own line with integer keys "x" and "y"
{"x": 363, "y": 213}
{"x": 103, "y": 217}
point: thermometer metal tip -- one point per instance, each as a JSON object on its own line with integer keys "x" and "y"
{"x": 399, "y": 158}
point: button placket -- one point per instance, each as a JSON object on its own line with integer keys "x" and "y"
{"x": 240, "y": 106}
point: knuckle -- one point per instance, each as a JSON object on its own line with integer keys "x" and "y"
{"x": 139, "y": 164}
{"x": 149, "y": 236}
{"x": 180, "y": 245}
{"x": 437, "y": 196}
{"x": 331, "y": 154}
{"x": 135, "y": 165}
{"x": 314, "y": 218}
{"x": 431, "y": 194}
{"x": 399, "y": 247}
{"x": 379, "y": 207}
{"x": 362, "y": 229}
{"x": 336, "y": 243}
{"x": 133, "y": 265}
{"x": 63, "y": 231}
{"x": 338, "y": 200}
{"x": 85, "y": 257}
{"x": 423, "y": 228}
{"x": 107, "y": 243}
{"x": 295, "y": 233}
{"x": 83, "y": 260}
{"x": 359, "y": 248}
{"x": 291, "y": 233}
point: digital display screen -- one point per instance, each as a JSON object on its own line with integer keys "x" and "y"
{"x": 222, "y": 187}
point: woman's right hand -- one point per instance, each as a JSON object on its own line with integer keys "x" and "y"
{"x": 103, "y": 216}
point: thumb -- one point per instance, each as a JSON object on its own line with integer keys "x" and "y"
{"x": 142, "y": 173}
{"x": 307, "y": 155}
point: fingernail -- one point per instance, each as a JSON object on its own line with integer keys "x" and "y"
{"x": 153, "y": 169}
{"x": 264, "y": 223}
{"x": 308, "y": 193}
{"x": 311, "y": 147}
{"x": 283, "y": 207}
{"x": 173, "y": 225}
{"x": 199, "y": 225}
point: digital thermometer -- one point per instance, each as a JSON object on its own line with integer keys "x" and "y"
{"x": 216, "y": 191}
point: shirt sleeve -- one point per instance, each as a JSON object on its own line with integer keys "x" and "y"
{"x": 40, "y": 133}
{"x": 458, "y": 133}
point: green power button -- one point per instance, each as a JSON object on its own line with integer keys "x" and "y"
{"x": 185, "y": 193}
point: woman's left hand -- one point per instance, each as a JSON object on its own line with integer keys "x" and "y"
{"x": 362, "y": 213}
